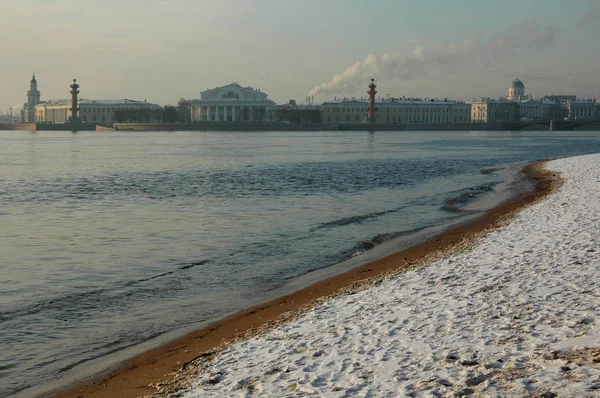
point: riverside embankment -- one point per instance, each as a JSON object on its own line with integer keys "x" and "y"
{"x": 223, "y": 126}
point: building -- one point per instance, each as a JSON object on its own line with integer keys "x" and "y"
{"x": 560, "y": 98}
{"x": 10, "y": 119}
{"x": 33, "y": 98}
{"x": 140, "y": 116}
{"x": 232, "y": 103}
{"x": 99, "y": 111}
{"x": 531, "y": 109}
{"x": 393, "y": 110}
{"x": 516, "y": 91}
{"x": 488, "y": 110}
{"x": 298, "y": 114}
{"x": 580, "y": 110}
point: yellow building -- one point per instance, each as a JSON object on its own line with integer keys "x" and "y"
{"x": 96, "y": 111}
{"x": 494, "y": 111}
{"x": 405, "y": 111}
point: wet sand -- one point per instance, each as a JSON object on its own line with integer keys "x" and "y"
{"x": 136, "y": 376}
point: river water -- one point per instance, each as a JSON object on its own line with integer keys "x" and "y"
{"x": 108, "y": 240}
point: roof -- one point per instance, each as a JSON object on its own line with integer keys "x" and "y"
{"x": 517, "y": 83}
{"x": 82, "y": 101}
{"x": 237, "y": 91}
{"x": 299, "y": 107}
{"x": 542, "y": 102}
{"x": 493, "y": 101}
{"x": 123, "y": 101}
{"x": 391, "y": 101}
{"x": 580, "y": 102}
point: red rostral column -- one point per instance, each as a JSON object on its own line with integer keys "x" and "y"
{"x": 371, "y": 92}
{"x": 74, "y": 108}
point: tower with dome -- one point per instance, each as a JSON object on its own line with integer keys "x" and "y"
{"x": 516, "y": 91}
{"x": 33, "y": 98}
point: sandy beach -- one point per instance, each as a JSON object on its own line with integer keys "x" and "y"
{"x": 176, "y": 365}
{"x": 515, "y": 315}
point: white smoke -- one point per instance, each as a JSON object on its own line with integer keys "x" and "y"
{"x": 591, "y": 16}
{"x": 436, "y": 60}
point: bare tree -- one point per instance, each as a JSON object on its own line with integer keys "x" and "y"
{"x": 244, "y": 114}
{"x": 259, "y": 114}
{"x": 184, "y": 108}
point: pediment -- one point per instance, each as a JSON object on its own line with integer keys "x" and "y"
{"x": 232, "y": 91}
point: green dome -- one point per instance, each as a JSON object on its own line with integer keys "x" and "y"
{"x": 517, "y": 83}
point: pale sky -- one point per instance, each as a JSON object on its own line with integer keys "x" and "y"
{"x": 162, "y": 50}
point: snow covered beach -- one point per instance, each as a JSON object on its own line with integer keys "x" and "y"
{"x": 515, "y": 316}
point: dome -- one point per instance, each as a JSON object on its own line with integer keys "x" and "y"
{"x": 517, "y": 83}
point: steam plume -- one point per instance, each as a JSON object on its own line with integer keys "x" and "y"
{"x": 434, "y": 60}
{"x": 591, "y": 16}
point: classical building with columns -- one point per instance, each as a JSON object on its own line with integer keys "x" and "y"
{"x": 395, "y": 110}
{"x": 580, "y": 110}
{"x": 232, "y": 103}
{"x": 540, "y": 109}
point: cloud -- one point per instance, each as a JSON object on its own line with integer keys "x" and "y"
{"x": 433, "y": 60}
{"x": 591, "y": 16}
{"x": 524, "y": 36}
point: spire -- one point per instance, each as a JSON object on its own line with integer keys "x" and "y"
{"x": 33, "y": 79}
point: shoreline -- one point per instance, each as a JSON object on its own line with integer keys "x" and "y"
{"x": 538, "y": 125}
{"x": 134, "y": 376}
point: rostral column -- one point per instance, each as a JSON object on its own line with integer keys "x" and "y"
{"x": 371, "y": 92}
{"x": 74, "y": 108}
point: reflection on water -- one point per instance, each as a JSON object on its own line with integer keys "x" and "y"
{"x": 114, "y": 238}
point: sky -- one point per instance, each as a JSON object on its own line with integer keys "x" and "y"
{"x": 163, "y": 50}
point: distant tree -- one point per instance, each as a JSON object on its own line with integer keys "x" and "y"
{"x": 258, "y": 114}
{"x": 184, "y": 107}
{"x": 170, "y": 114}
{"x": 244, "y": 114}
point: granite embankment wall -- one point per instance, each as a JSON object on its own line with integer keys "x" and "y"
{"x": 18, "y": 127}
{"x": 224, "y": 126}
{"x": 66, "y": 127}
{"x": 519, "y": 126}
{"x": 52, "y": 127}
{"x": 305, "y": 127}
{"x": 217, "y": 127}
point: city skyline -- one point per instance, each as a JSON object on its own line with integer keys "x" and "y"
{"x": 177, "y": 48}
